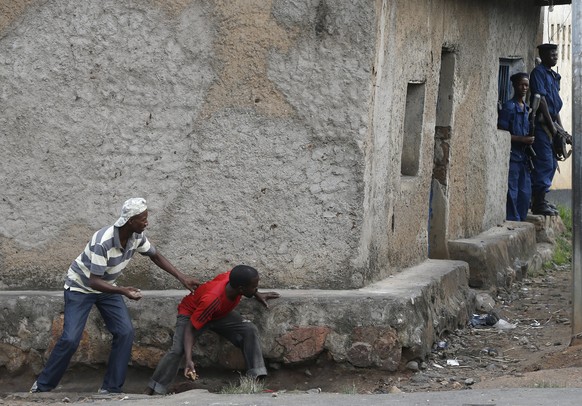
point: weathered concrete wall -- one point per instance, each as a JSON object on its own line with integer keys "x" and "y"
{"x": 558, "y": 29}
{"x": 264, "y": 132}
{"x": 412, "y": 36}
{"x": 242, "y": 123}
{"x": 480, "y": 151}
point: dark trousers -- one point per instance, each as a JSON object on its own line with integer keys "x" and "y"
{"x": 242, "y": 333}
{"x": 518, "y": 191}
{"x": 116, "y": 317}
{"x": 545, "y": 164}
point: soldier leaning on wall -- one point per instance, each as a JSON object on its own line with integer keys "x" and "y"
{"x": 91, "y": 281}
{"x": 514, "y": 117}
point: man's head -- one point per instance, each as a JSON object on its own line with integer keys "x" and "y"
{"x": 548, "y": 54}
{"x": 244, "y": 279}
{"x": 134, "y": 214}
{"x": 520, "y": 83}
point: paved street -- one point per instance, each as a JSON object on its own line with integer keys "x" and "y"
{"x": 494, "y": 397}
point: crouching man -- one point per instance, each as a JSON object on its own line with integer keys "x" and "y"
{"x": 211, "y": 307}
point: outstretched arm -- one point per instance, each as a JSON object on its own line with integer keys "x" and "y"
{"x": 263, "y": 297}
{"x": 188, "y": 343}
{"x": 161, "y": 261}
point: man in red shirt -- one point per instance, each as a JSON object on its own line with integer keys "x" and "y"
{"x": 211, "y": 307}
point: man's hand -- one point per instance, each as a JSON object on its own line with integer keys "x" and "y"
{"x": 560, "y": 130}
{"x": 528, "y": 140}
{"x": 263, "y": 297}
{"x": 191, "y": 283}
{"x": 566, "y": 135}
{"x": 190, "y": 372}
{"x": 96, "y": 282}
{"x": 133, "y": 293}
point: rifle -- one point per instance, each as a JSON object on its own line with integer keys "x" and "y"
{"x": 559, "y": 142}
{"x": 529, "y": 151}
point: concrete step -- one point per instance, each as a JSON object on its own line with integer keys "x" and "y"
{"x": 506, "y": 253}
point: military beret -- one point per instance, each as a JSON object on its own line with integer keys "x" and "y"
{"x": 547, "y": 47}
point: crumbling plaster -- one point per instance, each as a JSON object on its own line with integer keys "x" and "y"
{"x": 411, "y": 37}
{"x": 264, "y": 132}
{"x": 240, "y": 122}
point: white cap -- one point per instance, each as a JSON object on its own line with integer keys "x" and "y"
{"x": 131, "y": 207}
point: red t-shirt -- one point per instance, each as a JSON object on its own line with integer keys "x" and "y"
{"x": 208, "y": 302}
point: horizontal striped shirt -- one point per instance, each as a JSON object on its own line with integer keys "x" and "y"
{"x": 104, "y": 256}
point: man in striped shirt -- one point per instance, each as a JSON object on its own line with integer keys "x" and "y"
{"x": 91, "y": 281}
{"x": 211, "y": 307}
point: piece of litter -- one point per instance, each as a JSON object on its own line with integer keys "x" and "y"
{"x": 452, "y": 363}
{"x": 437, "y": 365}
{"x": 504, "y": 325}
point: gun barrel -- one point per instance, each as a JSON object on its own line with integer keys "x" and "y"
{"x": 535, "y": 103}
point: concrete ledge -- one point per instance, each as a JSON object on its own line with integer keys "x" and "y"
{"x": 498, "y": 256}
{"x": 383, "y": 325}
{"x": 503, "y": 254}
{"x": 547, "y": 227}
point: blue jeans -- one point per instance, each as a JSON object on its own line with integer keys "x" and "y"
{"x": 116, "y": 317}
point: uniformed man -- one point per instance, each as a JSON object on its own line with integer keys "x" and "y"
{"x": 545, "y": 82}
{"x": 514, "y": 117}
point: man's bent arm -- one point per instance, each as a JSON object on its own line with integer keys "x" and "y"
{"x": 96, "y": 282}
{"x": 547, "y": 117}
{"x": 559, "y": 120}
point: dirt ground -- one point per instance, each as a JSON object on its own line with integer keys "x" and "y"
{"x": 535, "y": 353}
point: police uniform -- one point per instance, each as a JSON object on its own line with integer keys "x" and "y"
{"x": 514, "y": 118}
{"x": 545, "y": 82}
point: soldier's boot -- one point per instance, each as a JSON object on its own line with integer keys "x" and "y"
{"x": 552, "y": 206}
{"x": 540, "y": 206}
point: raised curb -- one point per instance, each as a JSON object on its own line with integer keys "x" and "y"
{"x": 382, "y": 325}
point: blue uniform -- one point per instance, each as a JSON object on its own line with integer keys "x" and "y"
{"x": 515, "y": 119}
{"x": 545, "y": 82}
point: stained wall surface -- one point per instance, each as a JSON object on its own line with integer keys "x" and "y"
{"x": 260, "y": 132}
{"x": 558, "y": 30}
